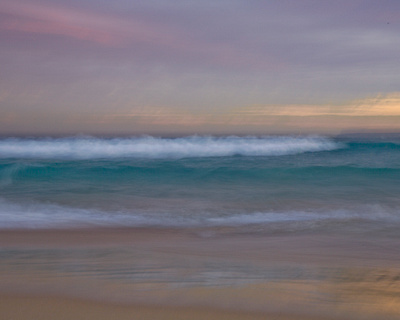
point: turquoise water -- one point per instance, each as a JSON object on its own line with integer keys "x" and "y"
{"x": 263, "y": 184}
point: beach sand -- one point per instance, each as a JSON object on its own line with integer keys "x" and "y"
{"x": 35, "y": 308}
{"x": 196, "y": 274}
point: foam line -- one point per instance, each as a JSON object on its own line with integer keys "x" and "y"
{"x": 152, "y": 147}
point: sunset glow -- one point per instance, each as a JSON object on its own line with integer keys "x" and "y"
{"x": 162, "y": 67}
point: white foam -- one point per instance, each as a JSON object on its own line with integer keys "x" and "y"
{"x": 38, "y": 215}
{"x": 152, "y": 147}
{"x": 262, "y": 218}
{"x": 30, "y": 215}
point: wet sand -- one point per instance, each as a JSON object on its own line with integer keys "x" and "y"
{"x": 196, "y": 274}
{"x": 35, "y": 308}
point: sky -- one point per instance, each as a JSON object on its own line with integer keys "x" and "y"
{"x": 72, "y": 67}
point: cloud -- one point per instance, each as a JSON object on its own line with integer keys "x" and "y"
{"x": 54, "y": 20}
{"x": 380, "y": 105}
{"x": 107, "y": 29}
{"x": 253, "y": 62}
{"x": 267, "y": 117}
{"x": 163, "y": 39}
{"x": 153, "y": 116}
{"x": 381, "y": 112}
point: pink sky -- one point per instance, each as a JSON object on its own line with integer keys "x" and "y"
{"x": 72, "y": 67}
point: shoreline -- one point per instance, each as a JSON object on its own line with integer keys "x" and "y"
{"x": 43, "y": 308}
{"x": 309, "y": 248}
{"x": 197, "y": 271}
{"x": 289, "y": 301}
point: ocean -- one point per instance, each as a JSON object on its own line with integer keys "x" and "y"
{"x": 289, "y": 225}
{"x": 263, "y": 184}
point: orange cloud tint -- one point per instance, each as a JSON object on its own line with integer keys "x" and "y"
{"x": 381, "y": 105}
{"x": 381, "y": 113}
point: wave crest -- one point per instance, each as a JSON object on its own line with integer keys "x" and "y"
{"x": 152, "y": 147}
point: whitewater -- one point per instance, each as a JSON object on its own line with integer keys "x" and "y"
{"x": 267, "y": 184}
{"x": 153, "y": 147}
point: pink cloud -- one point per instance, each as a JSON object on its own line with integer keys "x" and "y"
{"x": 42, "y": 19}
{"x": 79, "y": 24}
{"x": 114, "y": 31}
{"x": 48, "y": 27}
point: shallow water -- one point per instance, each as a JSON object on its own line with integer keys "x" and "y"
{"x": 256, "y": 184}
{"x": 300, "y": 225}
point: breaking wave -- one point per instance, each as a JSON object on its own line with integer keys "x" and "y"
{"x": 33, "y": 215}
{"x": 153, "y": 147}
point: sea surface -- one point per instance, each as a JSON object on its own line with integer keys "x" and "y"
{"x": 263, "y": 184}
